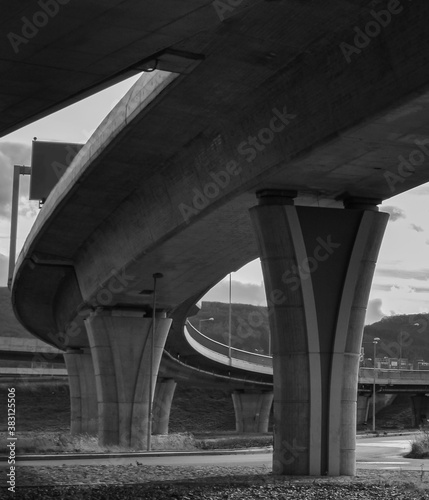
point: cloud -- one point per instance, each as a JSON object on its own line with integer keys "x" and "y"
{"x": 381, "y": 287}
{"x": 242, "y": 293}
{"x": 388, "y": 287}
{"x": 402, "y": 289}
{"x": 418, "y": 274}
{"x": 12, "y": 154}
{"x": 414, "y": 227}
{"x": 395, "y": 213}
{"x": 374, "y": 312}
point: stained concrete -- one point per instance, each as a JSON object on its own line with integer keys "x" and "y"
{"x": 318, "y": 265}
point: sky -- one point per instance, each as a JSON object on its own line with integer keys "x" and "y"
{"x": 401, "y": 280}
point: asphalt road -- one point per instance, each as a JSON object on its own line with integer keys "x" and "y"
{"x": 372, "y": 453}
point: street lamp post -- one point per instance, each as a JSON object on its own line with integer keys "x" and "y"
{"x": 202, "y": 321}
{"x": 230, "y": 320}
{"x": 375, "y": 342}
{"x": 17, "y": 171}
{"x": 155, "y": 276}
{"x": 400, "y": 349}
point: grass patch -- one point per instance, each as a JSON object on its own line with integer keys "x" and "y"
{"x": 235, "y": 442}
{"x": 420, "y": 445}
{"x": 58, "y": 442}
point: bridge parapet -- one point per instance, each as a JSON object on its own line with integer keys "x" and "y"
{"x": 393, "y": 377}
{"x": 264, "y": 364}
{"x": 26, "y": 345}
{"x": 224, "y": 354}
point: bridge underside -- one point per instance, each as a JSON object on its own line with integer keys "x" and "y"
{"x": 273, "y": 100}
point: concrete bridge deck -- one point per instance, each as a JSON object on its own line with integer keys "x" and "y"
{"x": 289, "y": 114}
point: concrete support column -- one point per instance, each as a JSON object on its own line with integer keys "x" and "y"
{"x": 420, "y": 403}
{"x": 252, "y": 411}
{"x": 121, "y": 349}
{"x": 318, "y": 265}
{"x": 362, "y": 408}
{"x": 83, "y": 394}
{"x": 162, "y": 405}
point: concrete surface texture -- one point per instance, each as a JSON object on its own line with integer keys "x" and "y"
{"x": 252, "y": 410}
{"x": 328, "y": 102}
{"x": 126, "y": 355}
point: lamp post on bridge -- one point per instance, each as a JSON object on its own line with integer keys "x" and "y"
{"x": 17, "y": 171}
{"x": 202, "y": 321}
{"x": 375, "y": 342}
{"x": 155, "y": 276}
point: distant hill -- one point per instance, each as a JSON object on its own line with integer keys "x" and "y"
{"x": 9, "y": 325}
{"x": 249, "y": 325}
{"x": 406, "y": 333}
{"x": 250, "y": 331}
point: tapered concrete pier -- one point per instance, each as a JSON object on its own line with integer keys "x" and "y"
{"x": 362, "y": 412}
{"x": 83, "y": 394}
{"x": 252, "y": 411}
{"x": 318, "y": 265}
{"x": 162, "y": 405}
{"x": 121, "y": 347}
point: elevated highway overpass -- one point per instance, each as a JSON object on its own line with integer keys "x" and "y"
{"x": 283, "y": 129}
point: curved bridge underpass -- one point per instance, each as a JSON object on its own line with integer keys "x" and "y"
{"x": 273, "y": 145}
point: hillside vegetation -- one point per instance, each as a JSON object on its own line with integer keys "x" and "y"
{"x": 406, "y": 334}
{"x": 9, "y": 325}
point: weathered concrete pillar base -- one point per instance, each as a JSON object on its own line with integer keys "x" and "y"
{"x": 362, "y": 408}
{"x": 83, "y": 394}
{"x": 318, "y": 265}
{"x": 121, "y": 349}
{"x": 252, "y": 411}
{"x": 420, "y": 403}
{"x": 162, "y": 405}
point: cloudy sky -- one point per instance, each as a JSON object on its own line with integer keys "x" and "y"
{"x": 401, "y": 282}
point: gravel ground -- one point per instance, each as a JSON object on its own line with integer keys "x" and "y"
{"x": 209, "y": 483}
